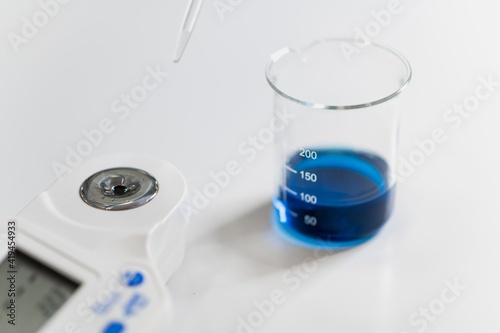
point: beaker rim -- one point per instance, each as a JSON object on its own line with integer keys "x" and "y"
{"x": 275, "y": 57}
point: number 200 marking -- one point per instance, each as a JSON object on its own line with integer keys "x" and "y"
{"x": 308, "y": 153}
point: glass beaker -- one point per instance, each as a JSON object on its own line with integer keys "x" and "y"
{"x": 337, "y": 155}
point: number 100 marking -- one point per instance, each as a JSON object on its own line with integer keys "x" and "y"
{"x": 309, "y": 198}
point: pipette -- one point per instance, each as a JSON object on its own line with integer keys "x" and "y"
{"x": 187, "y": 28}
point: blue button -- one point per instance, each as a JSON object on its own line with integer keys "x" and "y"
{"x": 135, "y": 304}
{"x": 132, "y": 279}
{"x": 114, "y": 327}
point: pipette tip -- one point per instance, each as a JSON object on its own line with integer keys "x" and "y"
{"x": 181, "y": 46}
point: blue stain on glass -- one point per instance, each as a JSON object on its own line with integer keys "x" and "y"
{"x": 114, "y": 327}
{"x": 132, "y": 279}
{"x": 333, "y": 198}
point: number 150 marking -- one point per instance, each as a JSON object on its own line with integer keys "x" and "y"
{"x": 309, "y": 176}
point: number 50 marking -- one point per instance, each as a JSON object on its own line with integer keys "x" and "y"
{"x": 310, "y": 220}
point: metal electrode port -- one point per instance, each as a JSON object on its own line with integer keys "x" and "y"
{"x": 119, "y": 189}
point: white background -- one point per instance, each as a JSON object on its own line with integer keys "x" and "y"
{"x": 446, "y": 224}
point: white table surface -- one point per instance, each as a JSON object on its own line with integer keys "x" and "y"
{"x": 446, "y": 224}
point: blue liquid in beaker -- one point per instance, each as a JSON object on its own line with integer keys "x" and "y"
{"x": 334, "y": 198}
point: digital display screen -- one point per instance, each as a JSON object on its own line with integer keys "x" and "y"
{"x": 30, "y": 293}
